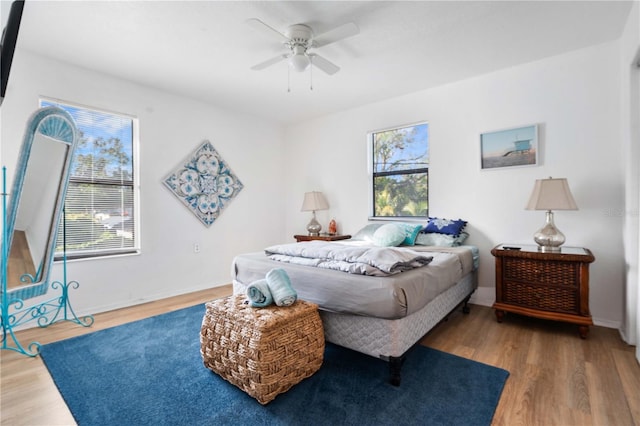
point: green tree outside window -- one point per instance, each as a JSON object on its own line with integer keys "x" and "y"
{"x": 401, "y": 171}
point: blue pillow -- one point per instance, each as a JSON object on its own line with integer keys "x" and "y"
{"x": 389, "y": 235}
{"x": 444, "y": 226}
{"x": 411, "y": 231}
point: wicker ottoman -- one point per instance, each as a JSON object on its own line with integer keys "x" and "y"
{"x": 263, "y": 351}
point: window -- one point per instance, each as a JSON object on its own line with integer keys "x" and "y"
{"x": 400, "y": 171}
{"x": 100, "y": 206}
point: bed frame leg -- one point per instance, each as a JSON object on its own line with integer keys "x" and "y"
{"x": 465, "y": 306}
{"x": 395, "y": 364}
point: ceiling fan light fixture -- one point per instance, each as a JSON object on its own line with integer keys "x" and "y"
{"x": 299, "y": 39}
{"x": 299, "y": 62}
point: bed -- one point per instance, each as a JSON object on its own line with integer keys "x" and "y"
{"x": 381, "y": 316}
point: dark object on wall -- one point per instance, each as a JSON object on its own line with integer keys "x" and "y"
{"x": 8, "y": 44}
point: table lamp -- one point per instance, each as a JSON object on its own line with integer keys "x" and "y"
{"x": 550, "y": 194}
{"x": 314, "y": 201}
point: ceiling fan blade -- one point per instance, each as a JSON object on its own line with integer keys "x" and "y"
{"x": 260, "y": 26}
{"x": 340, "y": 33}
{"x": 269, "y": 62}
{"x": 324, "y": 64}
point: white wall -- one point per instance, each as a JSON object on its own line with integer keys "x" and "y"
{"x": 171, "y": 127}
{"x": 576, "y": 100}
{"x": 574, "y": 97}
{"x": 630, "y": 125}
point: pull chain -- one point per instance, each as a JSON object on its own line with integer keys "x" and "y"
{"x": 310, "y": 76}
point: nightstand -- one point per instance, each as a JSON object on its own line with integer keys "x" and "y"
{"x": 547, "y": 285}
{"x": 300, "y": 238}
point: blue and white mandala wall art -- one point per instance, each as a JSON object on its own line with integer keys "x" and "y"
{"x": 204, "y": 183}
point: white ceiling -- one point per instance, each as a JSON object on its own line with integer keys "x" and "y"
{"x": 204, "y": 49}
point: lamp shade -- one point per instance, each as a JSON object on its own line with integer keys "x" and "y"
{"x": 314, "y": 201}
{"x": 551, "y": 194}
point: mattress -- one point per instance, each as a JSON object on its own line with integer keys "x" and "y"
{"x": 390, "y": 297}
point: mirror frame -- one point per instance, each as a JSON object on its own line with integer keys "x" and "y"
{"x": 57, "y": 124}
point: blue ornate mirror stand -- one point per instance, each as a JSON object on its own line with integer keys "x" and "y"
{"x": 36, "y": 205}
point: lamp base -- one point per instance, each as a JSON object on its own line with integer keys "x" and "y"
{"x": 549, "y": 249}
{"x": 549, "y": 238}
{"x": 314, "y": 227}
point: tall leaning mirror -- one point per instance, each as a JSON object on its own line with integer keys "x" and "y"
{"x": 36, "y": 202}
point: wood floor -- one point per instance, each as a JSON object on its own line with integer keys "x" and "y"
{"x": 20, "y": 261}
{"x": 556, "y": 377}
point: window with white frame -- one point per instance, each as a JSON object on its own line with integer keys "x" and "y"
{"x": 400, "y": 171}
{"x": 100, "y": 206}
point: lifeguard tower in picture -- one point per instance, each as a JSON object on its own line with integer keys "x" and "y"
{"x": 519, "y": 147}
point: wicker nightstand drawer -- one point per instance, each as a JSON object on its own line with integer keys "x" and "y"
{"x": 548, "y": 285}
{"x": 540, "y": 271}
{"x": 548, "y": 298}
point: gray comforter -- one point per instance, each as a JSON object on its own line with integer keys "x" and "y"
{"x": 365, "y": 260}
{"x": 390, "y": 297}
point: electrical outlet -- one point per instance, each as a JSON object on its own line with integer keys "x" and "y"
{"x": 196, "y": 248}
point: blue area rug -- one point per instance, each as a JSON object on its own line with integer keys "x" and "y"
{"x": 151, "y": 372}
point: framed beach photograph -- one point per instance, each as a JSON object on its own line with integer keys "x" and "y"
{"x": 514, "y": 147}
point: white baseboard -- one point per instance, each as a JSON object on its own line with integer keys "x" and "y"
{"x": 483, "y": 296}
{"x": 128, "y": 303}
{"x": 607, "y": 323}
{"x": 153, "y": 297}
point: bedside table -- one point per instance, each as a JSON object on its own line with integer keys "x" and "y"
{"x": 300, "y": 238}
{"x": 547, "y": 285}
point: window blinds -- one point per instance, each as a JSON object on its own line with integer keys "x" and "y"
{"x": 100, "y": 203}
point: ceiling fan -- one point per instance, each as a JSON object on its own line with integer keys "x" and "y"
{"x": 299, "y": 39}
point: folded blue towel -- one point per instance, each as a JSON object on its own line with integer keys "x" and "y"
{"x": 259, "y": 294}
{"x": 280, "y": 286}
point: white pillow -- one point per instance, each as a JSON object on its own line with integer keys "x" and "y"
{"x": 389, "y": 235}
{"x": 442, "y": 240}
{"x": 366, "y": 233}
